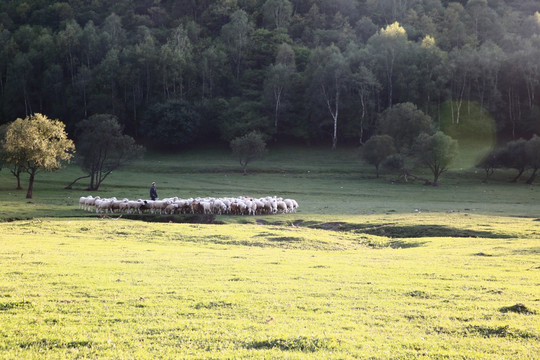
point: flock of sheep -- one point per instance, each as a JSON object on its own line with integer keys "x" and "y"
{"x": 242, "y": 205}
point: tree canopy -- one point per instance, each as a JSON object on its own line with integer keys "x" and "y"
{"x": 36, "y": 143}
{"x": 297, "y": 70}
{"x": 103, "y": 148}
{"x": 437, "y": 152}
{"x": 377, "y": 149}
{"x": 248, "y": 148}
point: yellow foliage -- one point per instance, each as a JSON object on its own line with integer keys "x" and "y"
{"x": 37, "y": 142}
{"x": 428, "y": 42}
{"x": 393, "y": 31}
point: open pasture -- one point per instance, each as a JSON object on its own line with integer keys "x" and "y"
{"x": 365, "y": 269}
{"x": 325, "y": 183}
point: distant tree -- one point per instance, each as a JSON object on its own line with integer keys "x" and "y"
{"x": 242, "y": 117}
{"x": 174, "y": 58}
{"x": 437, "y": 152}
{"x": 331, "y": 74}
{"x": 277, "y": 13}
{"x": 36, "y": 143}
{"x": 248, "y": 148}
{"x": 404, "y": 122}
{"x": 364, "y": 86}
{"x": 276, "y": 82}
{"x": 514, "y": 156}
{"x": 490, "y": 162}
{"x": 103, "y": 148}
{"x": 15, "y": 167}
{"x": 68, "y": 43}
{"x": 377, "y": 149}
{"x": 532, "y": 151}
{"x": 278, "y": 78}
{"x": 235, "y": 35}
{"x": 387, "y": 47}
{"x": 212, "y": 63}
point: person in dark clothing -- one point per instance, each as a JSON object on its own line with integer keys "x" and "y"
{"x": 153, "y": 192}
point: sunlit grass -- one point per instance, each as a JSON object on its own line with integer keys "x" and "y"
{"x": 117, "y": 288}
{"x": 367, "y": 268}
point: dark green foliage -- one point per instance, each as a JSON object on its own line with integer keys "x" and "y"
{"x": 171, "y": 125}
{"x": 377, "y": 149}
{"x": 103, "y": 147}
{"x": 532, "y": 152}
{"x": 436, "y": 152}
{"x": 404, "y": 122}
{"x": 469, "y": 61}
{"x": 491, "y": 161}
{"x": 395, "y": 163}
{"x": 242, "y": 117}
{"x": 248, "y": 148}
{"x": 514, "y": 157}
{"x": 521, "y": 155}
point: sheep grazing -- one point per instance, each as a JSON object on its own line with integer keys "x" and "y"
{"x": 82, "y": 201}
{"x": 241, "y": 205}
{"x": 89, "y": 202}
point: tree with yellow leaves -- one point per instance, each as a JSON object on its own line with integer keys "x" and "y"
{"x": 36, "y": 143}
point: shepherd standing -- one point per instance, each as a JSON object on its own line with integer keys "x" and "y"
{"x": 153, "y": 192}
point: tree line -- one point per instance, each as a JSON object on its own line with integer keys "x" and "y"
{"x": 175, "y": 73}
{"x": 37, "y": 143}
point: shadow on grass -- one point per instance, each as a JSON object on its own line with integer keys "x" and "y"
{"x": 56, "y": 344}
{"x": 518, "y": 309}
{"x": 300, "y": 343}
{"x": 181, "y": 218}
{"x": 393, "y": 231}
{"x": 499, "y": 331}
{"x": 398, "y": 244}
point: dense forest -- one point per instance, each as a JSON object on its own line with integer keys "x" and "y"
{"x": 180, "y": 72}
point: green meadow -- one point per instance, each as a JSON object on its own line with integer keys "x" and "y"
{"x": 366, "y": 268}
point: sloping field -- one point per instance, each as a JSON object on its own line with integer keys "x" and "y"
{"x": 367, "y": 268}
{"x": 114, "y": 288}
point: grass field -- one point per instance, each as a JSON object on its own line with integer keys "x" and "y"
{"x": 366, "y": 268}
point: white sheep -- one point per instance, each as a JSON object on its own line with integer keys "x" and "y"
{"x": 91, "y": 202}
{"x": 104, "y": 205}
{"x": 281, "y": 206}
{"x": 241, "y": 205}
{"x": 82, "y": 201}
{"x": 171, "y": 208}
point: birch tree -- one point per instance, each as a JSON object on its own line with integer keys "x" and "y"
{"x": 331, "y": 74}
{"x": 278, "y": 78}
{"x": 235, "y": 35}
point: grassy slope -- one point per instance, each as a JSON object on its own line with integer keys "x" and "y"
{"x": 325, "y": 183}
{"x": 115, "y": 288}
{"x": 365, "y": 269}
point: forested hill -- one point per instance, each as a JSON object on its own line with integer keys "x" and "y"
{"x": 185, "y": 71}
